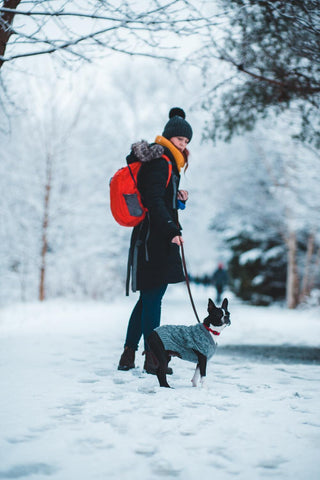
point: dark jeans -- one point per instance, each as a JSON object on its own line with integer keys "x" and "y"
{"x": 219, "y": 289}
{"x": 145, "y": 316}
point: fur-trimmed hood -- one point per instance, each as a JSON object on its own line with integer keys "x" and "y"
{"x": 144, "y": 152}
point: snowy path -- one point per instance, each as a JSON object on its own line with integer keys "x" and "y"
{"x": 66, "y": 412}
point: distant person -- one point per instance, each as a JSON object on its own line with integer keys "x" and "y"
{"x": 154, "y": 250}
{"x": 220, "y": 280}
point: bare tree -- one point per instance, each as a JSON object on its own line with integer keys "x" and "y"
{"x": 55, "y": 137}
{"x": 292, "y": 292}
{"x": 45, "y": 226}
{"x": 306, "y": 280}
{"x": 78, "y": 28}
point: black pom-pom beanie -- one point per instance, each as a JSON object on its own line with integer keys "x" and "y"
{"x": 177, "y": 126}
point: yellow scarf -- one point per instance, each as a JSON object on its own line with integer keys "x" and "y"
{"x": 178, "y": 156}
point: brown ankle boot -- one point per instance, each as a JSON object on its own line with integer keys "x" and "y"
{"x": 127, "y": 359}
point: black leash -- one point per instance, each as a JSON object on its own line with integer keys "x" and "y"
{"x": 187, "y": 282}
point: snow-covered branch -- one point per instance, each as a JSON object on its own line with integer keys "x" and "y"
{"x": 65, "y": 25}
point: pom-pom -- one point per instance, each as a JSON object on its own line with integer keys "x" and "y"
{"x": 177, "y": 111}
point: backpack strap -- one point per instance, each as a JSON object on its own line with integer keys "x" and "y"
{"x": 169, "y": 167}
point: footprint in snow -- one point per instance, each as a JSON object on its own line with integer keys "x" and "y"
{"x": 245, "y": 388}
{"x": 145, "y": 450}
{"x": 193, "y": 405}
{"x": 119, "y": 381}
{"x": 71, "y": 409}
{"x": 103, "y": 372}
{"x": 271, "y": 463}
{"x": 102, "y": 418}
{"x": 120, "y": 377}
{"x": 89, "y": 444}
{"x": 77, "y": 359}
{"x": 21, "y": 439}
{"x": 164, "y": 468}
{"x": 88, "y": 380}
{"x": 311, "y": 424}
{"x": 170, "y": 414}
{"x": 221, "y": 453}
{"x": 187, "y": 432}
{"x": 147, "y": 389}
{"x": 42, "y": 428}
{"x": 26, "y": 470}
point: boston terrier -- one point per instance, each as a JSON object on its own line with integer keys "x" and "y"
{"x": 195, "y": 343}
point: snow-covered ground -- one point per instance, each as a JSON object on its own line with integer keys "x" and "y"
{"x": 68, "y": 414}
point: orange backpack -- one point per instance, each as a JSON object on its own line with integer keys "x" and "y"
{"x": 125, "y": 199}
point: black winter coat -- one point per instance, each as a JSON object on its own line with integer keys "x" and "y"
{"x": 153, "y": 259}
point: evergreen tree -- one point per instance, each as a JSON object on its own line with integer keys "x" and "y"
{"x": 273, "y": 51}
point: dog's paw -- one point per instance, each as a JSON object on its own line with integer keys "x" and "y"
{"x": 203, "y": 382}
{"x": 195, "y": 377}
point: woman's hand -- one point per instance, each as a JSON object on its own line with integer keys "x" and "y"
{"x": 177, "y": 239}
{"x": 183, "y": 195}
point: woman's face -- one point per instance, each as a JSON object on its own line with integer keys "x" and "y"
{"x": 179, "y": 142}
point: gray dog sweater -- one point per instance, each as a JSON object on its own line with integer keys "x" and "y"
{"x": 183, "y": 340}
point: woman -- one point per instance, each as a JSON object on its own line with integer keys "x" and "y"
{"x": 154, "y": 257}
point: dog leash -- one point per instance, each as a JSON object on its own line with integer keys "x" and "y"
{"x": 187, "y": 281}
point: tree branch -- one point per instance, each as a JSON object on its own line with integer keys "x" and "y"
{"x": 71, "y": 43}
{"x": 6, "y": 20}
{"x": 138, "y": 19}
{"x": 284, "y": 86}
{"x": 178, "y": 20}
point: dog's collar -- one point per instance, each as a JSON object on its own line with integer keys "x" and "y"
{"x": 210, "y": 330}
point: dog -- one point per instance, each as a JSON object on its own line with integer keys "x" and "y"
{"x": 195, "y": 343}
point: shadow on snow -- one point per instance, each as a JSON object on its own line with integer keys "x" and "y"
{"x": 273, "y": 353}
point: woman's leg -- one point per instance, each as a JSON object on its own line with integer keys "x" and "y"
{"x": 144, "y": 318}
{"x": 134, "y": 330}
{"x": 151, "y": 310}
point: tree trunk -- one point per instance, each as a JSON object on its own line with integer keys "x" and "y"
{"x": 292, "y": 272}
{"x": 315, "y": 272}
{"x": 45, "y": 225}
{"x": 6, "y": 20}
{"x": 306, "y": 282}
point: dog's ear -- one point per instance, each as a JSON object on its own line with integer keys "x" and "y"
{"x": 225, "y": 304}
{"x": 211, "y": 306}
